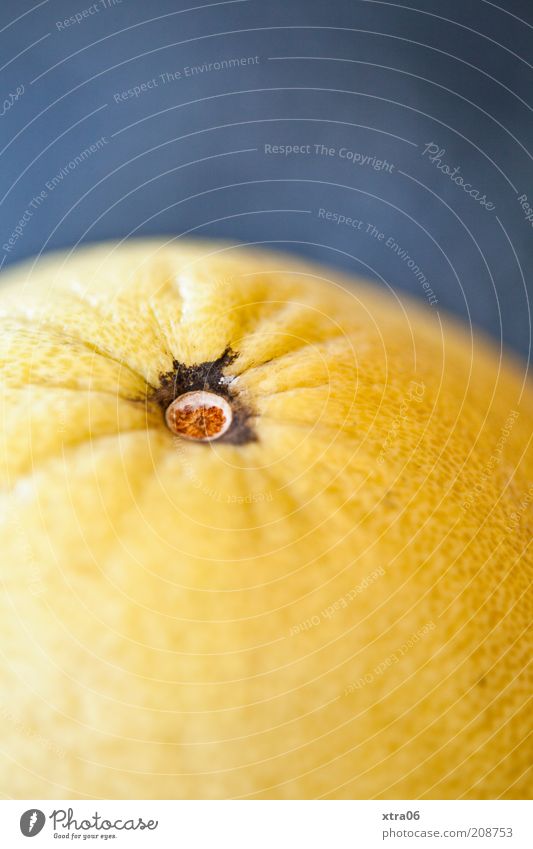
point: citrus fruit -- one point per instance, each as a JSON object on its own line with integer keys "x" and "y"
{"x": 264, "y": 534}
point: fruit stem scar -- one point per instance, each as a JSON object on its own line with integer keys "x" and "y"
{"x": 200, "y": 415}
{"x": 210, "y": 378}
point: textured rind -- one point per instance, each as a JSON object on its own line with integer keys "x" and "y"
{"x": 190, "y": 621}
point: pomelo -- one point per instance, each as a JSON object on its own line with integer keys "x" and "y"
{"x": 327, "y": 597}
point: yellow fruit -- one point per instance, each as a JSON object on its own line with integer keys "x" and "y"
{"x": 328, "y": 600}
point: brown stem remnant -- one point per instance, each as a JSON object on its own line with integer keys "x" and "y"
{"x": 199, "y": 415}
{"x": 203, "y": 422}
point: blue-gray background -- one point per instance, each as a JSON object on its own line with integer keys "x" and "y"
{"x": 377, "y": 78}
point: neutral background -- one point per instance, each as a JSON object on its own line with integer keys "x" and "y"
{"x": 379, "y": 79}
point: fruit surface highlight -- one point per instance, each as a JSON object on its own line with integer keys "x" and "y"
{"x": 317, "y": 588}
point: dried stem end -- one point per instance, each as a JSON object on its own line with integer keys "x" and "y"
{"x": 201, "y": 416}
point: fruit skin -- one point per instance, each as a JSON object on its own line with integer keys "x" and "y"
{"x": 334, "y": 608}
